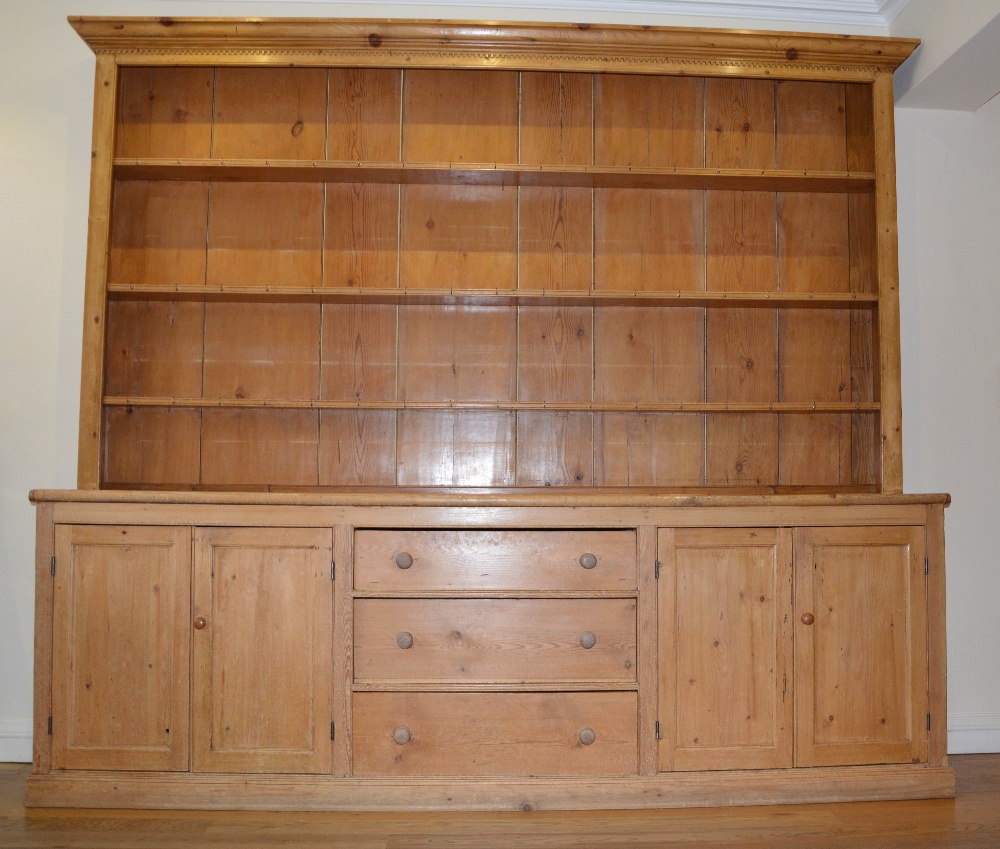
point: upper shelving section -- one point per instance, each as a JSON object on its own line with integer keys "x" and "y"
{"x": 384, "y": 253}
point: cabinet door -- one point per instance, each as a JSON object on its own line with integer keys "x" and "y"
{"x": 120, "y": 648}
{"x": 860, "y": 646}
{"x": 262, "y": 619}
{"x": 724, "y": 649}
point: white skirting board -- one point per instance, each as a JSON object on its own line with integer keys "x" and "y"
{"x": 968, "y": 733}
{"x": 15, "y": 741}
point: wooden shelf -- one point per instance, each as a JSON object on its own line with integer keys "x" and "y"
{"x": 493, "y": 174}
{"x": 363, "y": 685}
{"x": 520, "y": 406}
{"x": 488, "y": 297}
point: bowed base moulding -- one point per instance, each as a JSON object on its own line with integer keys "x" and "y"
{"x": 488, "y": 416}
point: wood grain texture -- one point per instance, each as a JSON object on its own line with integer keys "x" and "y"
{"x": 555, "y": 238}
{"x": 649, "y": 355}
{"x": 649, "y": 121}
{"x": 357, "y": 448}
{"x": 364, "y": 114}
{"x": 155, "y": 348}
{"x": 555, "y": 449}
{"x": 815, "y": 449}
{"x": 725, "y": 601}
{"x": 261, "y": 676}
{"x": 361, "y": 245}
{"x": 511, "y": 795}
{"x": 648, "y": 662}
{"x": 741, "y": 449}
{"x": 263, "y": 113}
{"x": 647, "y": 240}
{"x": 359, "y": 352}
{"x": 165, "y": 112}
{"x": 739, "y": 123}
{"x": 742, "y": 353}
{"x": 265, "y": 234}
{"x": 460, "y": 116}
{"x": 595, "y": 47}
{"x": 811, "y": 125}
{"x": 443, "y": 448}
{"x": 120, "y": 660}
{"x": 887, "y": 265}
{"x": 815, "y": 361}
{"x": 457, "y": 353}
{"x": 937, "y": 644}
{"x": 649, "y": 449}
{"x": 494, "y": 734}
{"x": 556, "y": 119}
{"x": 555, "y": 354}
{"x": 45, "y": 549}
{"x": 861, "y": 674}
{"x": 89, "y": 444}
{"x": 813, "y": 243}
{"x": 495, "y": 640}
{"x": 267, "y": 351}
{"x": 491, "y": 560}
{"x": 741, "y": 242}
{"x": 149, "y": 446}
{"x": 158, "y": 234}
{"x": 458, "y": 237}
{"x": 259, "y": 447}
{"x": 342, "y": 657}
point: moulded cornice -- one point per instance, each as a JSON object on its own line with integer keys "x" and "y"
{"x": 489, "y": 44}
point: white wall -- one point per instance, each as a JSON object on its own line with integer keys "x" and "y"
{"x": 948, "y": 177}
{"x": 949, "y": 245}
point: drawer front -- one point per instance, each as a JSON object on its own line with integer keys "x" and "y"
{"x": 407, "y": 561}
{"x": 495, "y": 640}
{"x": 500, "y": 734}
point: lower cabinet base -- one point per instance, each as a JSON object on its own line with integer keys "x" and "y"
{"x": 677, "y": 790}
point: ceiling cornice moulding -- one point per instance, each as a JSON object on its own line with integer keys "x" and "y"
{"x": 866, "y": 13}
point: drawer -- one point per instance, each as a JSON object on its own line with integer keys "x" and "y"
{"x": 508, "y": 734}
{"x": 484, "y": 640}
{"x": 415, "y": 561}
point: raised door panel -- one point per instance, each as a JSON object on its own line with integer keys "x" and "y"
{"x": 262, "y": 650}
{"x": 860, "y": 646}
{"x": 725, "y": 649}
{"x": 120, "y": 648}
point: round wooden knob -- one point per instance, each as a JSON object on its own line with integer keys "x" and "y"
{"x": 588, "y": 561}
{"x": 588, "y": 640}
{"x": 200, "y": 622}
{"x": 808, "y": 619}
{"x": 404, "y": 560}
{"x": 404, "y": 639}
{"x": 587, "y": 736}
{"x": 401, "y": 735}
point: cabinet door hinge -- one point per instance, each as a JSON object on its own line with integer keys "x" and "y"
{"x": 333, "y": 730}
{"x": 657, "y": 729}
{"x": 656, "y": 571}
{"x": 50, "y": 726}
{"x": 928, "y": 722}
{"x": 333, "y": 571}
{"x": 927, "y": 565}
{"x": 52, "y": 566}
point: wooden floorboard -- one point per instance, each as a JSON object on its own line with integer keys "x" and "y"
{"x": 971, "y": 820}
